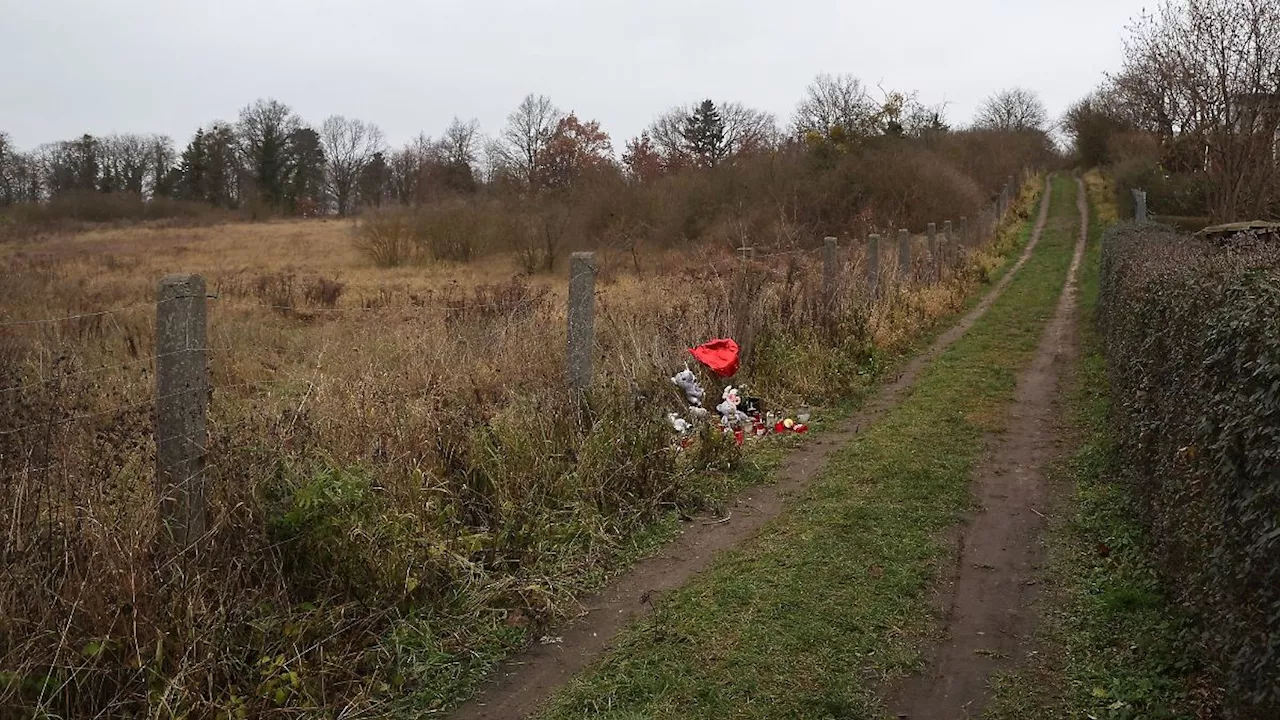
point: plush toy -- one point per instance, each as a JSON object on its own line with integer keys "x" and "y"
{"x": 678, "y": 423}
{"x": 688, "y": 382}
{"x": 729, "y": 412}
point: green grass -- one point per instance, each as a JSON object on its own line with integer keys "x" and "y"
{"x": 833, "y": 595}
{"x": 1109, "y": 642}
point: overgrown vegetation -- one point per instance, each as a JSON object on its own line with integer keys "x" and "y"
{"x": 1192, "y": 355}
{"x": 400, "y": 490}
{"x": 781, "y": 200}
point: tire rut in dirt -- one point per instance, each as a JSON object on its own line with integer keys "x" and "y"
{"x": 989, "y": 594}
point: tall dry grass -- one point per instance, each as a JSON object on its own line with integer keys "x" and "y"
{"x": 400, "y": 488}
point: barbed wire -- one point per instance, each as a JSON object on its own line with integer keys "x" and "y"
{"x": 459, "y": 306}
{"x": 78, "y": 316}
{"x": 28, "y": 471}
{"x": 101, "y": 369}
{"x": 141, "y": 403}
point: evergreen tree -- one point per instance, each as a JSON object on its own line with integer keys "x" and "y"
{"x": 224, "y": 169}
{"x": 193, "y": 169}
{"x": 265, "y": 133}
{"x": 703, "y": 135}
{"x": 306, "y": 170}
{"x": 375, "y": 179}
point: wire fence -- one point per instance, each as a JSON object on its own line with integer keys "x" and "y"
{"x": 841, "y": 270}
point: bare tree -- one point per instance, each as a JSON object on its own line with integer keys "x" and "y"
{"x": 667, "y": 134}
{"x": 349, "y": 146}
{"x": 19, "y": 174}
{"x": 529, "y": 128}
{"x": 123, "y": 163}
{"x": 748, "y": 130}
{"x": 1205, "y": 77}
{"x": 8, "y": 170}
{"x": 836, "y": 101}
{"x": 1013, "y": 109}
{"x": 407, "y": 166}
{"x": 459, "y": 144}
{"x": 162, "y": 172}
{"x": 494, "y": 161}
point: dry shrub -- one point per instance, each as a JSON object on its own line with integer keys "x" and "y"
{"x": 387, "y": 237}
{"x": 910, "y": 187}
{"x": 991, "y": 157}
{"x": 784, "y": 199}
{"x": 451, "y": 231}
{"x": 75, "y": 211}
{"x": 510, "y": 300}
{"x": 284, "y": 292}
{"x": 322, "y": 292}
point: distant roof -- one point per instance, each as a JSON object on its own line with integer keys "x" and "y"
{"x": 1215, "y": 231}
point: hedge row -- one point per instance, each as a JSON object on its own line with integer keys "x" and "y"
{"x": 1192, "y": 332}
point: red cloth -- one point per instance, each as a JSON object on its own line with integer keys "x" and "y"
{"x": 720, "y": 355}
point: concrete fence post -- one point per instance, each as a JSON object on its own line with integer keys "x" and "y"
{"x": 828, "y": 273}
{"x": 581, "y": 317}
{"x": 182, "y": 397}
{"x": 904, "y": 254}
{"x": 873, "y": 265}
{"x": 933, "y": 251}
{"x": 948, "y": 241}
{"x": 1139, "y": 205}
{"x": 964, "y": 238}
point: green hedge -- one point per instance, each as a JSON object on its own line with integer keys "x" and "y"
{"x": 1192, "y": 332}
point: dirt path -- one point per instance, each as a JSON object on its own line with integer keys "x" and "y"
{"x": 989, "y": 594}
{"x": 525, "y": 681}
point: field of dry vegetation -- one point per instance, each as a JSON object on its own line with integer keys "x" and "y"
{"x": 400, "y": 487}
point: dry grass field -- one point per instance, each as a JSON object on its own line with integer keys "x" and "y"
{"x": 400, "y": 487}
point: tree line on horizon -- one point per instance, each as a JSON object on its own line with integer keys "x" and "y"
{"x": 270, "y": 159}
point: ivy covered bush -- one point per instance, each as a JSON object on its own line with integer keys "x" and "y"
{"x": 1192, "y": 333}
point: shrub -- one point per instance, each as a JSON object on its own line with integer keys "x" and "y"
{"x": 448, "y": 231}
{"x": 1194, "y": 358}
{"x": 386, "y": 237}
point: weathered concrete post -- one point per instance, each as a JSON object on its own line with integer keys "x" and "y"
{"x": 582, "y": 312}
{"x": 904, "y": 254}
{"x": 964, "y": 238}
{"x": 182, "y": 397}
{"x": 873, "y": 265}
{"x": 1139, "y": 205}
{"x": 948, "y": 241}
{"x": 828, "y": 273}
{"x": 933, "y": 251}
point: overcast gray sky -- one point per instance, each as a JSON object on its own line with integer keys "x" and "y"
{"x": 170, "y": 66}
